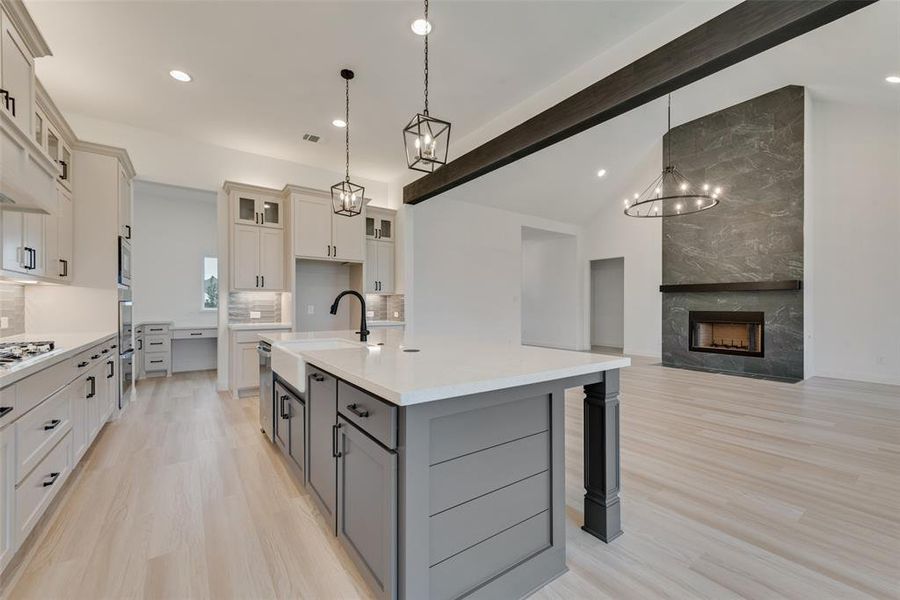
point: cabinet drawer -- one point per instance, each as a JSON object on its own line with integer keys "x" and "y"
{"x": 157, "y": 343}
{"x": 34, "y": 389}
{"x": 156, "y": 329}
{"x": 190, "y": 334}
{"x": 39, "y": 430}
{"x": 373, "y": 415}
{"x": 38, "y": 489}
{"x": 156, "y": 361}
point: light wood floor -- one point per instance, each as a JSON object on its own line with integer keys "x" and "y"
{"x": 732, "y": 488}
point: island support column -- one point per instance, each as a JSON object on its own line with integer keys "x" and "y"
{"x": 602, "y": 512}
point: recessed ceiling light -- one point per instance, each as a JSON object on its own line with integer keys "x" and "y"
{"x": 180, "y": 76}
{"x": 601, "y": 172}
{"x": 421, "y": 27}
{"x": 339, "y": 123}
{"x": 892, "y": 78}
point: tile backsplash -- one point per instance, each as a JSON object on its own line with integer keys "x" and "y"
{"x": 12, "y": 307}
{"x": 267, "y": 304}
{"x": 383, "y": 308}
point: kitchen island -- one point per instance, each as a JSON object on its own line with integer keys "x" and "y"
{"x": 439, "y": 463}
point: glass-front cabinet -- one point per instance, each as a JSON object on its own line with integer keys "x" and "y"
{"x": 253, "y": 209}
{"x": 379, "y": 224}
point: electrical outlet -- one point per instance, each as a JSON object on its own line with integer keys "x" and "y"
{"x": 255, "y": 314}
{"x": 370, "y": 313}
{"x": 4, "y": 322}
{"x": 396, "y": 315}
{"x": 310, "y": 309}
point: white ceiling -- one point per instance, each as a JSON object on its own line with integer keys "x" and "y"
{"x": 845, "y": 61}
{"x": 265, "y": 73}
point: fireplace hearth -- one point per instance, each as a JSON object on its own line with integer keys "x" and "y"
{"x": 727, "y": 332}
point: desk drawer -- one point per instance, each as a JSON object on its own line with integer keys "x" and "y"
{"x": 40, "y": 430}
{"x": 156, "y": 329}
{"x": 192, "y": 334}
{"x": 156, "y": 361}
{"x": 373, "y": 415}
{"x": 157, "y": 343}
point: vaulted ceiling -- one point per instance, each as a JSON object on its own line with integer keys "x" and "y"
{"x": 265, "y": 73}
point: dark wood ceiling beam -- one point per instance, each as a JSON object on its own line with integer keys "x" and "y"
{"x": 736, "y": 35}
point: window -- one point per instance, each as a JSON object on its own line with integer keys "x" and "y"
{"x": 210, "y": 282}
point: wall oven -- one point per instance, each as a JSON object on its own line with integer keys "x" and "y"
{"x": 126, "y": 347}
{"x": 124, "y": 262}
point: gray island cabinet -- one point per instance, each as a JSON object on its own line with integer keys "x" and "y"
{"x": 460, "y": 495}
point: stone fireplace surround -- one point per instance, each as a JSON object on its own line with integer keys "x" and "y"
{"x": 745, "y": 255}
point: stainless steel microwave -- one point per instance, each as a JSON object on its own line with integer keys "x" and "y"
{"x": 124, "y": 262}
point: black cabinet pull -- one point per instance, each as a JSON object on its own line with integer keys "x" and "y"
{"x": 196, "y": 333}
{"x": 284, "y": 413}
{"x": 128, "y": 232}
{"x": 112, "y": 370}
{"x": 362, "y": 413}
{"x": 65, "y": 170}
{"x": 93, "y": 382}
{"x": 262, "y": 278}
{"x": 65, "y": 266}
{"x": 153, "y": 362}
{"x": 82, "y": 365}
{"x": 51, "y": 480}
{"x": 140, "y": 343}
{"x": 329, "y": 249}
{"x": 51, "y": 425}
{"x": 318, "y": 377}
{"x": 334, "y": 441}
{"x": 95, "y": 357}
{"x": 335, "y": 251}
{"x": 257, "y": 281}
{"x": 104, "y": 351}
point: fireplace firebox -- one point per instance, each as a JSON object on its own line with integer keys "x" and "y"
{"x": 733, "y": 332}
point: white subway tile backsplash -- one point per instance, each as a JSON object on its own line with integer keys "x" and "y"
{"x": 12, "y": 308}
{"x": 267, "y": 305}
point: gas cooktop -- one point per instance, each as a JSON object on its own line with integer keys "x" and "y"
{"x": 15, "y": 352}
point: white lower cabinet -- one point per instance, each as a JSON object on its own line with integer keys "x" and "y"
{"x": 7, "y": 494}
{"x": 37, "y": 490}
{"x": 248, "y": 370}
{"x": 40, "y": 448}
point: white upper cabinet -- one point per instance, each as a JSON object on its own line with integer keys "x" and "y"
{"x": 125, "y": 227}
{"x": 379, "y": 267}
{"x": 258, "y": 209}
{"x": 312, "y": 226}
{"x": 16, "y": 76}
{"x": 24, "y": 248}
{"x": 257, "y": 258}
{"x": 348, "y": 243}
{"x": 380, "y": 224}
{"x": 319, "y": 233}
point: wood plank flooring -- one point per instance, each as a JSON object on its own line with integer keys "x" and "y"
{"x": 732, "y": 488}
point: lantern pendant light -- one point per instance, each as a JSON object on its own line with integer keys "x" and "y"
{"x": 426, "y": 138}
{"x": 671, "y": 194}
{"x": 346, "y": 196}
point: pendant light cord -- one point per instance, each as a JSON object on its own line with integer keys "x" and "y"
{"x": 669, "y": 133}
{"x": 427, "y": 27}
{"x": 347, "y": 127}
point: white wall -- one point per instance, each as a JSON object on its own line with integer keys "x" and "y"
{"x": 174, "y": 228}
{"x": 188, "y": 163}
{"x": 550, "y": 301}
{"x": 608, "y": 302}
{"x": 853, "y": 242}
{"x": 639, "y": 241}
{"x": 467, "y": 269}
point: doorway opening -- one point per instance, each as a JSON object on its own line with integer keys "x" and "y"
{"x": 608, "y": 305}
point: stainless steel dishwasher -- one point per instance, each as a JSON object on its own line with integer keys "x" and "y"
{"x": 266, "y": 391}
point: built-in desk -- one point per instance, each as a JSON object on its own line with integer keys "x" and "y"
{"x": 165, "y": 347}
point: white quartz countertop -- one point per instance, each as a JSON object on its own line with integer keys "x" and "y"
{"x": 258, "y": 326}
{"x": 67, "y": 345}
{"x": 442, "y": 367}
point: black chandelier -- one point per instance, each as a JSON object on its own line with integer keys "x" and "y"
{"x": 346, "y": 196}
{"x": 426, "y": 138}
{"x": 671, "y": 194}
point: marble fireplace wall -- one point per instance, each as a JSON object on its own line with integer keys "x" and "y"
{"x": 754, "y": 150}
